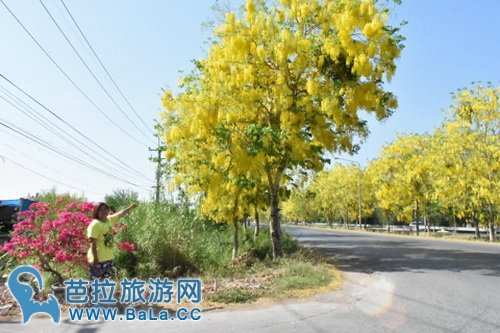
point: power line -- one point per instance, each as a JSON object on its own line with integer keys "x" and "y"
{"x": 43, "y": 176}
{"x": 41, "y": 163}
{"x": 104, "y": 67}
{"x": 75, "y": 34}
{"x": 26, "y": 111}
{"x": 44, "y": 122}
{"x": 58, "y": 134}
{"x": 47, "y": 145}
{"x": 29, "y": 142}
{"x": 71, "y": 80}
{"x": 90, "y": 70}
{"x": 74, "y": 129}
{"x": 71, "y": 126}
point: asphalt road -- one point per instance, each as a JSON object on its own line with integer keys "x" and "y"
{"x": 391, "y": 284}
{"x": 415, "y": 285}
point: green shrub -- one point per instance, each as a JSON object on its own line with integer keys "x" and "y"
{"x": 121, "y": 198}
{"x": 172, "y": 241}
{"x": 302, "y": 275}
{"x": 234, "y": 296}
{"x": 51, "y": 196}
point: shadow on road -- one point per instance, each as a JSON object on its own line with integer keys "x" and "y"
{"x": 380, "y": 254}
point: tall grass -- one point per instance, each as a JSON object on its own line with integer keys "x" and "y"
{"x": 172, "y": 241}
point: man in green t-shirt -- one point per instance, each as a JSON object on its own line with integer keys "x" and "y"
{"x": 100, "y": 233}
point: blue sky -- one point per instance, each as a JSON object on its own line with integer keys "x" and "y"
{"x": 144, "y": 45}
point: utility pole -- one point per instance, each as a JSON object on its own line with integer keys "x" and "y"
{"x": 158, "y": 160}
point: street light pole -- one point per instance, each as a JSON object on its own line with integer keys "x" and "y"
{"x": 359, "y": 185}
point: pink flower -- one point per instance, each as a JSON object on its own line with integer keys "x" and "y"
{"x": 47, "y": 225}
{"x": 61, "y": 257}
{"x": 60, "y": 200}
{"x": 39, "y": 208}
{"x": 37, "y": 243}
{"x": 126, "y": 246}
{"x": 87, "y": 207}
{"x": 71, "y": 205}
{"x": 38, "y": 205}
{"x": 57, "y": 223}
{"x": 63, "y": 237}
{"x": 22, "y": 255}
{"x": 51, "y": 235}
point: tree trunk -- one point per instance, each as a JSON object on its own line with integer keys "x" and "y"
{"x": 492, "y": 231}
{"x": 46, "y": 267}
{"x": 235, "y": 239}
{"x": 257, "y": 225}
{"x": 275, "y": 228}
{"x": 454, "y": 222}
{"x": 235, "y": 225}
{"x": 329, "y": 221}
{"x": 426, "y": 226}
{"x": 491, "y": 225}
{"x": 476, "y": 226}
{"x": 417, "y": 217}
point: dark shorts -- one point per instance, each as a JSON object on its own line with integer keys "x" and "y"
{"x": 102, "y": 270}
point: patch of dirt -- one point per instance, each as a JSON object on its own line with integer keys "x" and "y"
{"x": 256, "y": 282}
{"x": 8, "y": 305}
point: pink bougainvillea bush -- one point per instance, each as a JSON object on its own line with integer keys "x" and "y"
{"x": 53, "y": 238}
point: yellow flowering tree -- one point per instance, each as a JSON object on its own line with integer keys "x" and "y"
{"x": 324, "y": 189}
{"x": 403, "y": 177}
{"x": 284, "y": 83}
{"x": 468, "y": 151}
{"x": 299, "y": 206}
{"x": 338, "y": 193}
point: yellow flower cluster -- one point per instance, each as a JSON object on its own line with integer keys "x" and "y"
{"x": 279, "y": 87}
